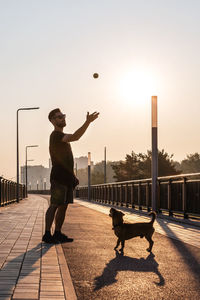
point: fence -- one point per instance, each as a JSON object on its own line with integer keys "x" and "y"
{"x": 8, "y": 191}
{"x": 42, "y": 192}
{"x": 175, "y": 194}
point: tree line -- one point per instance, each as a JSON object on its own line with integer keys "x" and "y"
{"x": 138, "y": 166}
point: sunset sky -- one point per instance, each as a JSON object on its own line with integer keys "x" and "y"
{"x": 49, "y": 51}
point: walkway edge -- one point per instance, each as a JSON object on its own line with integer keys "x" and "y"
{"x": 66, "y": 277}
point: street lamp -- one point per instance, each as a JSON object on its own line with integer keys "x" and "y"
{"x": 24, "y": 108}
{"x": 154, "y": 162}
{"x": 31, "y": 146}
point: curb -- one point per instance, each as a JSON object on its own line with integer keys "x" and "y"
{"x": 66, "y": 277}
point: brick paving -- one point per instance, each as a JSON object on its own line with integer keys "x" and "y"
{"x": 30, "y": 269}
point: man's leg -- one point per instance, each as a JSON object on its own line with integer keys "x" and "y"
{"x": 60, "y": 216}
{"x": 50, "y": 213}
{"x": 59, "y": 220}
{"x": 49, "y": 217}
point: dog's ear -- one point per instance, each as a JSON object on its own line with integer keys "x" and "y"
{"x": 122, "y": 214}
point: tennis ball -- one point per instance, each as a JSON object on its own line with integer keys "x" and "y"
{"x": 95, "y": 75}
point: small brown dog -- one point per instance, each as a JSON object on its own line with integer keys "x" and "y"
{"x": 126, "y": 231}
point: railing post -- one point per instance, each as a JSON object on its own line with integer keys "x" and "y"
{"x": 147, "y": 196}
{"x": 104, "y": 194}
{"x": 6, "y": 191}
{"x": 94, "y": 193}
{"x": 116, "y": 194}
{"x": 184, "y": 203}
{"x": 108, "y": 187}
{"x": 169, "y": 198}
{"x": 9, "y": 186}
{"x": 132, "y": 195}
{"x": 112, "y": 193}
{"x": 101, "y": 194}
{"x": 139, "y": 195}
{"x": 158, "y": 197}
{"x": 126, "y": 194}
{"x": 97, "y": 194}
{"x": 120, "y": 191}
{"x": 0, "y": 190}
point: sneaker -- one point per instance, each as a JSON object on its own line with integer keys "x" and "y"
{"x": 49, "y": 239}
{"x": 61, "y": 237}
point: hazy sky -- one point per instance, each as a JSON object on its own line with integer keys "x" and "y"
{"x": 49, "y": 51}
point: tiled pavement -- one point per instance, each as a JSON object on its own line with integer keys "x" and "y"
{"x": 30, "y": 269}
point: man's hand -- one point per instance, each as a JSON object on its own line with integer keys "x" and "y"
{"x": 91, "y": 117}
{"x": 78, "y": 133}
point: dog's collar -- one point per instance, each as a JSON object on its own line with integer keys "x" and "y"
{"x": 117, "y": 225}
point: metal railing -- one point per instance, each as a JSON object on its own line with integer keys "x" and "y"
{"x": 42, "y": 192}
{"x": 178, "y": 194}
{"x": 8, "y": 191}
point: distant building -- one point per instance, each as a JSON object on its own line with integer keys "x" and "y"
{"x": 81, "y": 162}
{"x": 38, "y": 177}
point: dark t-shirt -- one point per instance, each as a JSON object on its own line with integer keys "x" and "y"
{"x": 62, "y": 160}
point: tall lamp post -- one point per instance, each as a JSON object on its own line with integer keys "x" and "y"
{"x": 89, "y": 171}
{"x": 31, "y": 146}
{"x": 154, "y": 162}
{"x": 24, "y": 108}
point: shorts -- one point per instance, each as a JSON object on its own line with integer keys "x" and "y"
{"x": 61, "y": 194}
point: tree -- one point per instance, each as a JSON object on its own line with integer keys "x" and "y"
{"x": 138, "y": 166}
{"x": 97, "y": 172}
{"x": 128, "y": 169}
{"x": 191, "y": 164}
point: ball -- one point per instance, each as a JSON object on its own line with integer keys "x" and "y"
{"x": 95, "y": 75}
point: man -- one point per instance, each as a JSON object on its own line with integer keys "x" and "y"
{"x": 62, "y": 177}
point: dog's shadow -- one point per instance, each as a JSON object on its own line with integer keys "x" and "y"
{"x": 126, "y": 263}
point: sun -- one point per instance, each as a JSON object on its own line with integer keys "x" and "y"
{"x": 137, "y": 86}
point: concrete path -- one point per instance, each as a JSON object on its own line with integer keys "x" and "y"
{"x": 30, "y": 269}
{"x": 187, "y": 232}
{"x": 171, "y": 271}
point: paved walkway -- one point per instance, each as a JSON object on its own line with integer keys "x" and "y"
{"x": 30, "y": 269}
{"x": 170, "y": 272}
{"x": 185, "y": 232}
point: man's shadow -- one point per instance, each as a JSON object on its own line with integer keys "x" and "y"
{"x": 126, "y": 263}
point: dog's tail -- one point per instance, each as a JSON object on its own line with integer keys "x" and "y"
{"x": 153, "y": 217}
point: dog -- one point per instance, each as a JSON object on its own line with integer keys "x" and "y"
{"x": 126, "y": 231}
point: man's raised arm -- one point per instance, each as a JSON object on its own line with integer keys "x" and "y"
{"x": 78, "y": 133}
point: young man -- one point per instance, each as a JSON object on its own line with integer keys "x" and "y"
{"x": 62, "y": 177}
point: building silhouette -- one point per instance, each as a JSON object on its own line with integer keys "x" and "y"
{"x": 81, "y": 162}
{"x": 38, "y": 176}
